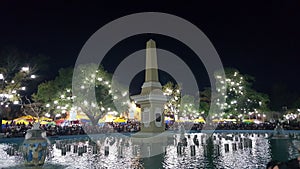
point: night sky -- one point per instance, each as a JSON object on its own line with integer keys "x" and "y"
{"x": 261, "y": 39}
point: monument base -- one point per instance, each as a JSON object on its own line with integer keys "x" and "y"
{"x": 150, "y": 144}
{"x": 152, "y": 128}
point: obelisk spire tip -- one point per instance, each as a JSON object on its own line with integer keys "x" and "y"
{"x": 151, "y": 44}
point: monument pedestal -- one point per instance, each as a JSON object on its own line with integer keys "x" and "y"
{"x": 152, "y": 112}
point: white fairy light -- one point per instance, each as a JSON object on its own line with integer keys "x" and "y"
{"x": 25, "y": 69}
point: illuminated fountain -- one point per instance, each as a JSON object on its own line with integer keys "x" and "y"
{"x": 196, "y": 150}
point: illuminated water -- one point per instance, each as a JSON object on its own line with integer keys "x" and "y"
{"x": 222, "y": 150}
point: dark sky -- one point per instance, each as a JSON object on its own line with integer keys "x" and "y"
{"x": 258, "y": 38}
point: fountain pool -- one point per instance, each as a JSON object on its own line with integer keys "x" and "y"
{"x": 223, "y": 149}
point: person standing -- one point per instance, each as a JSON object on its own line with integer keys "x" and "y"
{"x": 291, "y": 164}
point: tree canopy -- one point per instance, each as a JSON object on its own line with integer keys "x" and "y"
{"x": 241, "y": 99}
{"x": 60, "y": 95}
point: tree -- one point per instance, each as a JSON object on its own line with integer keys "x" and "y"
{"x": 15, "y": 78}
{"x": 188, "y": 107}
{"x": 173, "y": 92}
{"x": 205, "y": 101}
{"x": 92, "y": 81}
{"x": 55, "y": 96}
{"x": 61, "y": 96}
{"x": 241, "y": 99}
{"x": 33, "y": 109}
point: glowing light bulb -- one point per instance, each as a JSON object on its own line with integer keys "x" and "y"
{"x": 25, "y": 69}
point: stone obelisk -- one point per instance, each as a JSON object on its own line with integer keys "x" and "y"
{"x": 151, "y": 98}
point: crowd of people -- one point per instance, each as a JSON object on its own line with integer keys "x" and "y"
{"x": 19, "y": 130}
{"x": 232, "y": 126}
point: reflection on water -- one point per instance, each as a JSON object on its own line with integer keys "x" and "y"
{"x": 286, "y": 150}
{"x": 181, "y": 151}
